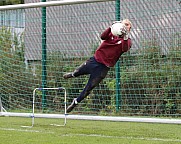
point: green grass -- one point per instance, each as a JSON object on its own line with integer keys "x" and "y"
{"x": 86, "y": 132}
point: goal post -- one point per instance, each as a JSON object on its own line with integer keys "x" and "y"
{"x": 1, "y": 107}
{"x": 145, "y": 87}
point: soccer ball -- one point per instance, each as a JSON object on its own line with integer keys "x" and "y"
{"x": 117, "y": 29}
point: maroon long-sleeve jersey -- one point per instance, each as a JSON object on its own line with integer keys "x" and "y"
{"x": 111, "y": 48}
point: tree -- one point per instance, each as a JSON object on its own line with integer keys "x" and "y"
{"x": 11, "y": 2}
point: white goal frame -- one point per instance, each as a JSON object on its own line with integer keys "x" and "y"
{"x": 2, "y": 109}
{"x": 33, "y": 107}
{"x": 33, "y": 115}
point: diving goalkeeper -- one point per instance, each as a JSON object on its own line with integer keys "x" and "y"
{"x": 106, "y": 56}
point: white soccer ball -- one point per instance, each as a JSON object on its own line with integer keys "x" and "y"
{"x": 117, "y": 29}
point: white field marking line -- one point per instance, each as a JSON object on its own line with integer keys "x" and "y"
{"x": 124, "y": 137}
{"x": 25, "y": 130}
{"x": 93, "y": 135}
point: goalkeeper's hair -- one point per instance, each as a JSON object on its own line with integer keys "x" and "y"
{"x": 127, "y": 20}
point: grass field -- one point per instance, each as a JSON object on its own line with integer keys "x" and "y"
{"x": 86, "y": 132}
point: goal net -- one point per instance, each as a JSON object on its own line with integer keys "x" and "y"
{"x": 39, "y": 42}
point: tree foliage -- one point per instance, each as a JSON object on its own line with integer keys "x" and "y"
{"x": 11, "y": 2}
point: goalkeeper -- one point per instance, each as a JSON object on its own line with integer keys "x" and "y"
{"x": 106, "y": 56}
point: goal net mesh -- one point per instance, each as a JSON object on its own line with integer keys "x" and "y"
{"x": 39, "y": 45}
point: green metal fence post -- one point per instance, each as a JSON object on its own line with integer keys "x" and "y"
{"x": 44, "y": 73}
{"x": 118, "y": 91}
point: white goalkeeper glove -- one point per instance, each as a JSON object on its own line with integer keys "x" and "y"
{"x": 125, "y": 33}
{"x": 126, "y": 36}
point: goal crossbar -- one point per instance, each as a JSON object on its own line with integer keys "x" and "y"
{"x": 48, "y": 4}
